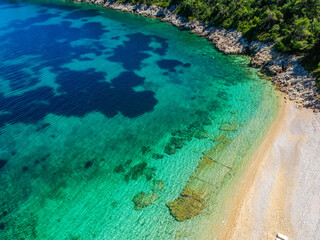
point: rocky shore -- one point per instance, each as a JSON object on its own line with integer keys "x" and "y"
{"x": 285, "y": 70}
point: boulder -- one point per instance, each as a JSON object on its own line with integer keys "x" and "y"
{"x": 169, "y": 149}
{"x": 201, "y": 134}
{"x": 158, "y": 185}
{"x": 229, "y": 128}
{"x": 185, "y": 207}
{"x": 142, "y": 200}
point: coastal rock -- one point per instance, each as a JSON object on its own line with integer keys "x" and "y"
{"x": 142, "y": 200}
{"x": 198, "y": 29}
{"x": 288, "y": 75}
{"x": 261, "y": 54}
{"x": 228, "y": 41}
{"x": 256, "y": 47}
{"x": 272, "y": 70}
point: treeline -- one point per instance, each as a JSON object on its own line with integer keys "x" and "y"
{"x": 294, "y": 25}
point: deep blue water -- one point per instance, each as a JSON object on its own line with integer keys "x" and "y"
{"x": 97, "y": 106}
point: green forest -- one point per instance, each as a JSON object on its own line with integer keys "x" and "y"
{"x": 293, "y": 25}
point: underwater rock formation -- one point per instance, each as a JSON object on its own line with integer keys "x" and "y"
{"x": 186, "y": 207}
{"x": 170, "y": 149}
{"x": 286, "y": 70}
{"x": 220, "y": 137}
{"x": 142, "y": 200}
{"x": 201, "y": 134}
{"x": 158, "y": 185}
{"x": 229, "y": 128}
{"x": 157, "y": 156}
{"x": 204, "y": 180}
{"x": 133, "y": 173}
{"x": 3, "y": 163}
{"x": 191, "y": 202}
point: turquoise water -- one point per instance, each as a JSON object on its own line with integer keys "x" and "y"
{"x": 97, "y": 106}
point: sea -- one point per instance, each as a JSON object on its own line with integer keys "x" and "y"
{"x": 105, "y": 115}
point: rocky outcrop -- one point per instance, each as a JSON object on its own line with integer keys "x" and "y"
{"x": 142, "y": 200}
{"x": 201, "y": 184}
{"x": 228, "y": 41}
{"x": 191, "y": 202}
{"x": 287, "y": 73}
{"x": 186, "y": 207}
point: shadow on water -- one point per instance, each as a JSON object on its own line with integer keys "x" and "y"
{"x": 79, "y": 92}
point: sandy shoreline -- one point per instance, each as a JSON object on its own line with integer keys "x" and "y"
{"x": 281, "y": 188}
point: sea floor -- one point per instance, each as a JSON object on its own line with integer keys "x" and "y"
{"x": 97, "y": 106}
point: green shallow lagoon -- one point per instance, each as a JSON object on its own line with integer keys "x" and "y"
{"x": 91, "y": 103}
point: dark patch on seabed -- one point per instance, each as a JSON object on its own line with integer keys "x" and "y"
{"x": 79, "y": 92}
{"x": 137, "y": 46}
{"x": 3, "y": 163}
{"x": 172, "y": 64}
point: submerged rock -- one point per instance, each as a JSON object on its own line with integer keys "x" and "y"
{"x": 288, "y": 75}
{"x": 149, "y": 173}
{"x": 25, "y": 168}
{"x": 158, "y": 185}
{"x": 202, "y": 134}
{"x": 128, "y": 162}
{"x": 137, "y": 170}
{"x": 3, "y": 163}
{"x": 2, "y": 226}
{"x": 169, "y": 149}
{"x": 234, "y": 112}
{"x": 88, "y": 164}
{"x": 114, "y": 204}
{"x": 145, "y": 149}
{"x": 142, "y": 200}
{"x": 185, "y": 207}
{"x": 191, "y": 202}
{"x": 157, "y": 156}
{"x": 177, "y": 142}
{"x": 206, "y": 121}
{"x": 217, "y": 149}
{"x": 119, "y": 169}
{"x": 221, "y": 136}
{"x": 229, "y": 128}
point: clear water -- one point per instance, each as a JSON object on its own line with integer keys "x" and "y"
{"x": 87, "y": 94}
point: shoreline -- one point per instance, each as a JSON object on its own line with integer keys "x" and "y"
{"x": 265, "y": 204}
{"x": 278, "y": 193}
{"x": 250, "y": 174}
{"x": 284, "y": 70}
{"x": 270, "y": 197}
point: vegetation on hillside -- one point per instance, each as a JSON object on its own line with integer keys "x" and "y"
{"x": 294, "y": 25}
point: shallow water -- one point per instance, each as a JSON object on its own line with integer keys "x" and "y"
{"x": 96, "y": 105}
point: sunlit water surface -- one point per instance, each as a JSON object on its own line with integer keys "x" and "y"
{"x": 96, "y": 106}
